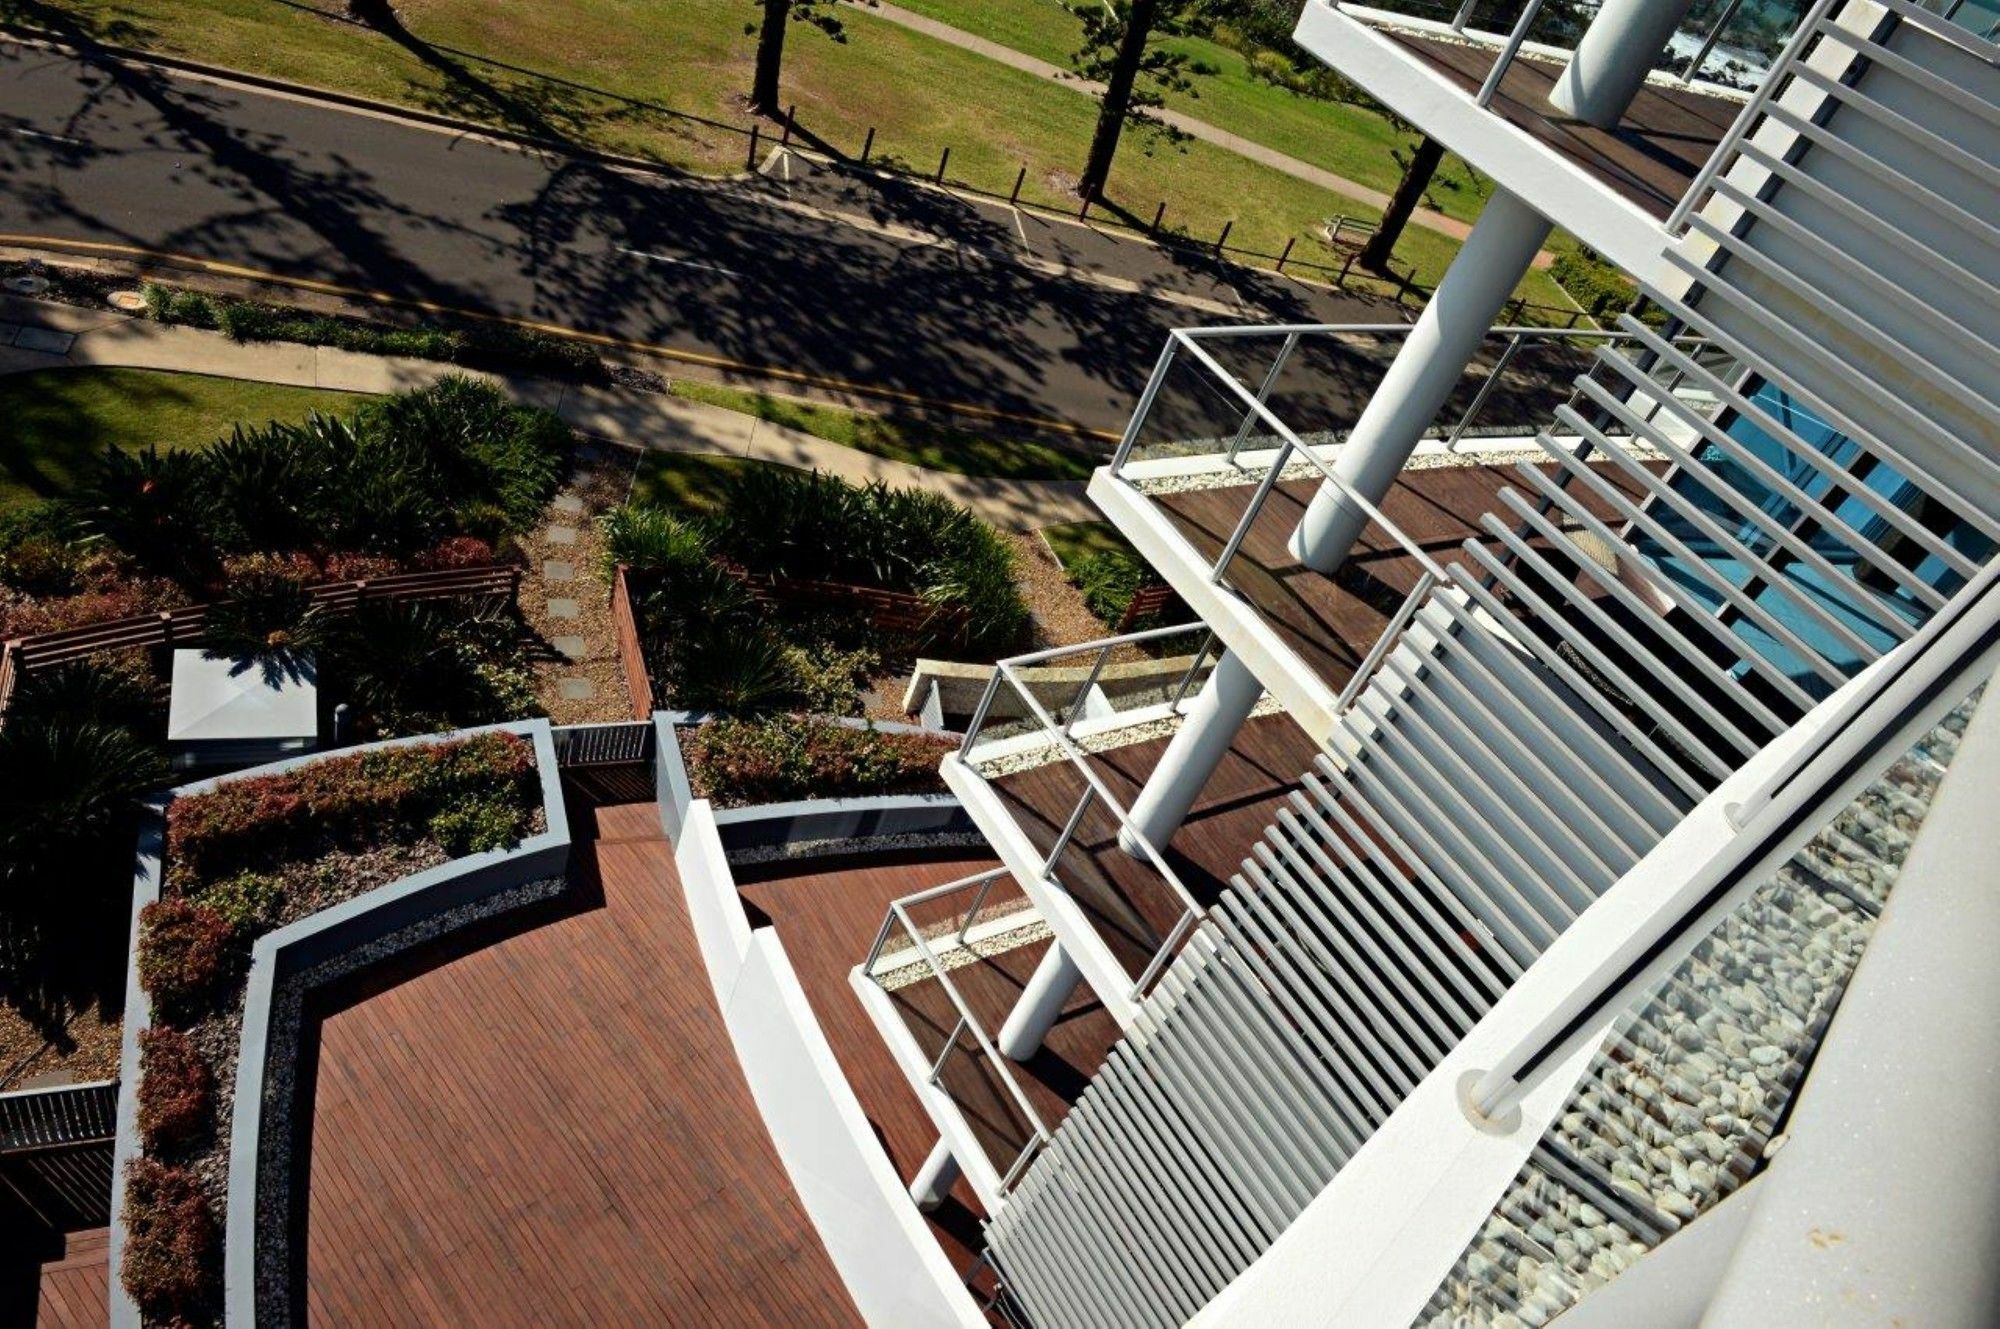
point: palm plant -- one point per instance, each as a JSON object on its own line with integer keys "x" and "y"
{"x": 156, "y": 506}
{"x": 269, "y": 616}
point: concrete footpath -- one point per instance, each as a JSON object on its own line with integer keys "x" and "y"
{"x": 36, "y": 334}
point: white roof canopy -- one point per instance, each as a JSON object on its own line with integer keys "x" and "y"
{"x": 219, "y": 699}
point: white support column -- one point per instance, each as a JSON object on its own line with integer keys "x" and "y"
{"x": 935, "y": 1177}
{"x": 1041, "y": 1004}
{"x": 1423, "y": 375}
{"x": 1611, "y": 62}
{"x": 1209, "y": 727}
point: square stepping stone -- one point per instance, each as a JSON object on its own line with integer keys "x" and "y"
{"x": 556, "y": 570}
{"x": 560, "y": 535}
{"x": 568, "y": 503}
{"x": 570, "y": 647}
{"x": 564, "y": 609}
{"x": 575, "y": 689}
{"x": 44, "y": 339}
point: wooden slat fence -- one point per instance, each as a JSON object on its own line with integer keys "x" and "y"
{"x": 638, "y": 684}
{"x": 888, "y": 611}
{"x": 1146, "y": 602}
{"x": 183, "y": 626}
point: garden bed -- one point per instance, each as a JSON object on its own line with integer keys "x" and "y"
{"x": 241, "y": 860}
{"x": 797, "y": 591}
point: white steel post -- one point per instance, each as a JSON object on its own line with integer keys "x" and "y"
{"x": 1213, "y": 719}
{"x": 1423, "y": 375}
{"x": 936, "y": 1176}
{"x": 1040, "y": 1005}
{"x": 1610, "y": 64}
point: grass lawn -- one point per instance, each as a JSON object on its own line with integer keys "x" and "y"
{"x": 935, "y": 447}
{"x": 59, "y": 419}
{"x": 593, "y": 70}
{"x": 1350, "y": 141}
{"x": 1080, "y": 539}
{"x": 687, "y": 482}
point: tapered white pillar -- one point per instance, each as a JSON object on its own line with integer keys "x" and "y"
{"x": 939, "y": 1172}
{"x": 1476, "y": 287}
{"x": 1209, "y": 727}
{"x": 1041, "y": 1004}
{"x": 1610, "y": 64}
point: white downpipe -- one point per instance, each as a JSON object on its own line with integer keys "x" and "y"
{"x": 1041, "y": 1004}
{"x": 935, "y": 1177}
{"x": 1213, "y": 719}
{"x": 1423, "y": 375}
{"x": 1611, "y": 62}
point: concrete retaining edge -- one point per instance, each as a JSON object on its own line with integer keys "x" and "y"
{"x": 340, "y": 928}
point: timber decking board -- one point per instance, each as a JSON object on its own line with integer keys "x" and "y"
{"x": 1131, "y": 904}
{"x": 553, "y": 1128}
{"x": 75, "y": 1288}
{"x": 828, "y": 918}
{"x": 1651, "y": 157}
{"x": 1331, "y": 622}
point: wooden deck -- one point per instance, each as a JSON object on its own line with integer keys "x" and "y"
{"x": 1650, "y": 158}
{"x": 55, "y": 1281}
{"x": 1132, "y": 907}
{"x": 827, "y": 919}
{"x": 545, "y": 1123}
{"x": 1331, "y": 622}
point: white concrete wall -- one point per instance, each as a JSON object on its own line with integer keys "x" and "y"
{"x": 893, "y": 1267}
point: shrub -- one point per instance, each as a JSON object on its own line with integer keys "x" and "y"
{"x": 827, "y": 677}
{"x": 176, "y": 1089}
{"x": 268, "y": 613}
{"x": 42, "y": 567}
{"x": 809, "y": 526}
{"x": 115, "y": 598}
{"x": 167, "y": 305}
{"x": 484, "y": 449}
{"x": 171, "y": 1239}
{"x": 779, "y": 758}
{"x": 650, "y": 541}
{"x": 457, "y": 551}
{"x": 1108, "y": 580}
{"x": 714, "y": 670}
{"x": 475, "y": 825}
{"x": 248, "y": 902}
{"x": 1596, "y": 285}
{"x": 186, "y": 951}
{"x": 357, "y": 799}
{"x": 416, "y": 668}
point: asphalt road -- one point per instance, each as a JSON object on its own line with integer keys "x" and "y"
{"x": 109, "y": 153}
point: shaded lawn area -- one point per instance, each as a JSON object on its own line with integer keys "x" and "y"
{"x": 590, "y": 71}
{"x": 684, "y": 482}
{"x": 1080, "y": 539}
{"x": 59, "y": 420}
{"x": 933, "y": 446}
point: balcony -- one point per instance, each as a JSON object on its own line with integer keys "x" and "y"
{"x": 1211, "y": 480}
{"x": 1053, "y": 792}
{"x": 1478, "y": 82}
{"x": 947, "y": 965}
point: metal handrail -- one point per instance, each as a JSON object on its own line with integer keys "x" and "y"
{"x": 968, "y": 1023}
{"x": 1095, "y": 790}
{"x": 1256, "y": 408}
{"x": 1529, "y": 13}
{"x": 1953, "y": 644}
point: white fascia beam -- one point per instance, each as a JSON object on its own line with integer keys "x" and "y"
{"x": 1073, "y": 928}
{"x": 1238, "y": 625}
{"x": 978, "y": 1169}
{"x": 1588, "y": 208}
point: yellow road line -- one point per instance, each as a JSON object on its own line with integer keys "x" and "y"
{"x": 554, "y": 330}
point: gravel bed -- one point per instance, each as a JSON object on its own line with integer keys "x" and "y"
{"x": 870, "y": 844}
{"x": 600, "y": 481}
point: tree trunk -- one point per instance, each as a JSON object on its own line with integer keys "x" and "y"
{"x": 770, "y": 58}
{"x": 1423, "y": 165}
{"x": 375, "y": 13}
{"x": 1117, "y": 98}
